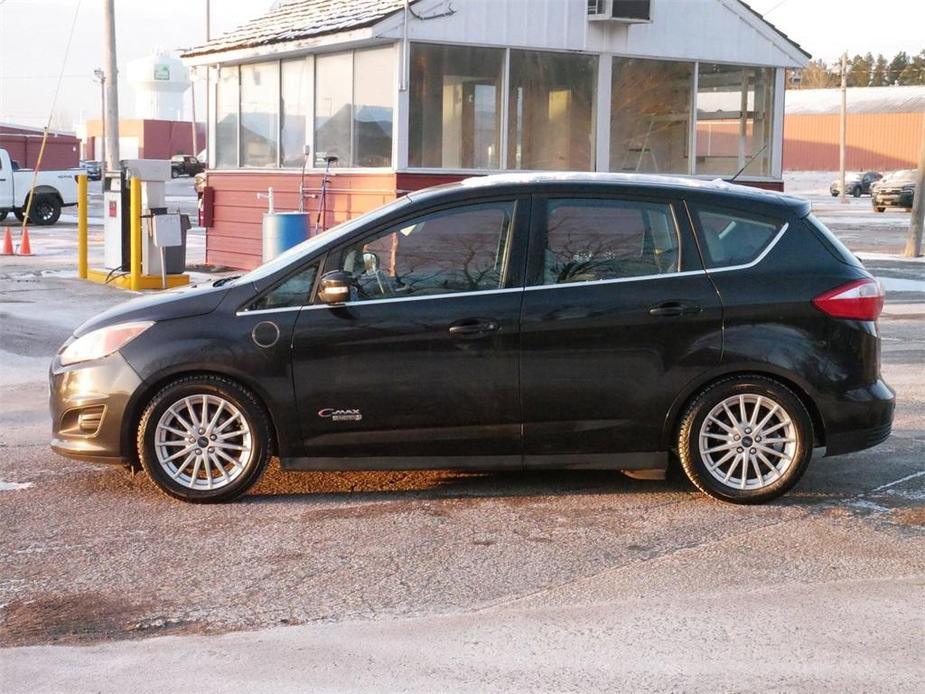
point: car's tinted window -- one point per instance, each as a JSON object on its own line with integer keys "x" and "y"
{"x": 463, "y": 249}
{"x": 291, "y": 292}
{"x": 733, "y": 238}
{"x": 589, "y": 239}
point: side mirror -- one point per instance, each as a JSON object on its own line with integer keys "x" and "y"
{"x": 370, "y": 261}
{"x": 335, "y": 287}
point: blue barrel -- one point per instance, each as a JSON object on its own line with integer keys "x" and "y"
{"x": 282, "y": 231}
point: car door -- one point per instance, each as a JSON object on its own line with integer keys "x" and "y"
{"x": 6, "y": 184}
{"x": 618, "y": 316}
{"x": 420, "y": 367}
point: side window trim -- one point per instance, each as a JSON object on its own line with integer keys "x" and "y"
{"x": 683, "y": 234}
{"x": 514, "y": 271}
{"x": 756, "y": 261}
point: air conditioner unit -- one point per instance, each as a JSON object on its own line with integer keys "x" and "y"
{"x": 627, "y": 11}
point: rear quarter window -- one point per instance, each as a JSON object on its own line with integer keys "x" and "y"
{"x": 730, "y": 238}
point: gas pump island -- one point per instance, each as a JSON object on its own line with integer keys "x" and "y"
{"x": 144, "y": 245}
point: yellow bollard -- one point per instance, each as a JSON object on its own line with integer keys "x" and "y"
{"x": 135, "y": 207}
{"x": 82, "y": 213}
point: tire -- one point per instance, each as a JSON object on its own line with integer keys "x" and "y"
{"x": 879, "y": 209}
{"x": 174, "y": 173}
{"x": 834, "y": 193}
{"x": 195, "y": 478}
{"x": 856, "y": 192}
{"x": 771, "y": 469}
{"x": 46, "y": 210}
{"x": 3, "y": 214}
{"x": 19, "y": 214}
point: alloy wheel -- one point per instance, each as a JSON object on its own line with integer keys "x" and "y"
{"x": 203, "y": 442}
{"x": 748, "y": 441}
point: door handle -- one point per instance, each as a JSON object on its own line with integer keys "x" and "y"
{"x": 674, "y": 308}
{"x": 474, "y": 327}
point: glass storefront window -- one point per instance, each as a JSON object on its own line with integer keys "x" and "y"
{"x": 650, "y": 116}
{"x": 259, "y": 114}
{"x": 551, "y": 111}
{"x": 333, "y": 107}
{"x": 226, "y": 119}
{"x": 456, "y": 98}
{"x": 735, "y": 109}
{"x": 295, "y": 96}
{"x": 373, "y": 105}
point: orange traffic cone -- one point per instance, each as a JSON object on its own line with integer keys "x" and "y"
{"x": 24, "y": 247}
{"x": 7, "y": 243}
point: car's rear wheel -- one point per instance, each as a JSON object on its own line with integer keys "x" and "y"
{"x": 879, "y": 209}
{"x": 856, "y": 191}
{"x": 746, "y": 440}
{"x": 46, "y": 210}
{"x": 204, "y": 439}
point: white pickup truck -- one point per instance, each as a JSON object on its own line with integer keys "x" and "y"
{"x": 53, "y": 190}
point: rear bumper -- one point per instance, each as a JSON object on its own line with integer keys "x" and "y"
{"x": 862, "y": 419}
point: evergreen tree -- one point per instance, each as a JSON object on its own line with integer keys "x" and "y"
{"x": 914, "y": 72}
{"x": 899, "y": 63}
{"x": 859, "y": 69}
{"x": 878, "y": 75}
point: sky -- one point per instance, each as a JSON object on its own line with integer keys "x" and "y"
{"x": 34, "y": 33}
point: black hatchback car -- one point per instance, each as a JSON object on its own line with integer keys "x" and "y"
{"x": 505, "y": 322}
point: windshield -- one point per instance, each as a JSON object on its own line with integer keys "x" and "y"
{"x": 904, "y": 174}
{"x": 308, "y": 247}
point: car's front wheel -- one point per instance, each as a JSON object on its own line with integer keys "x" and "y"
{"x": 204, "y": 439}
{"x": 746, "y": 440}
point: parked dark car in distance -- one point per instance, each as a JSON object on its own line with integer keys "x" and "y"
{"x": 93, "y": 169}
{"x": 895, "y": 190}
{"x": 510, "y": 322}
{"x": 856, "y": 184}
{"x": 185, "y": 165}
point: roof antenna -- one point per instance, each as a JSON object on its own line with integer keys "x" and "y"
{"x": 753, "y": 157}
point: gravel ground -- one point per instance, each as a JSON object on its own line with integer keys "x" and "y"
{"x": 466, "y": 582}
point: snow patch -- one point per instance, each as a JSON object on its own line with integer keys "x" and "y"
{"x": 14, "y": 486}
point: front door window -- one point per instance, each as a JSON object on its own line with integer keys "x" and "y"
{"x": 465, "y": 249}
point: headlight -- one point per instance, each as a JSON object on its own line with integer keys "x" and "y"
{"x": 102, "y": 342}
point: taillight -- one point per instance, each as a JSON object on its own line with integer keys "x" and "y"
{"x": 858, "y": 300}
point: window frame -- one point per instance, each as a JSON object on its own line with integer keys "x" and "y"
{"x": 781, "y": 224}
{"x": 689, "y": 261}
{"x": 516, "y": 251}
{"x": 319, "y": 260}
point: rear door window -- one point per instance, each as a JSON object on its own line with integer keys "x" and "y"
{"x": 733, "y": 238}
{"x": 594, "y": 239}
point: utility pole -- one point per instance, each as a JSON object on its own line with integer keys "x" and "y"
{"x": 914, "y": 242}
{"x": 192, "y": 91}
{"x": 101, "y": 155}
{"x": 112, "y": 86}
{"x": 844, "y": 129}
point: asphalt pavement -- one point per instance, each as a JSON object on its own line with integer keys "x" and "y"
{"x": 444, "y": 581}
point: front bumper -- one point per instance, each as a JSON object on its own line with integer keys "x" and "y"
{"x": 902, "y": 199}
{"x": 88, "y": 404}
{"x": 861, "y": 419}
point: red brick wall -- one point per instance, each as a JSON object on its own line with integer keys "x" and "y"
{"x": 61, "y": 151}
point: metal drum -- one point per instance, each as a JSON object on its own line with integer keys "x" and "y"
{"x": 282, "y": 231}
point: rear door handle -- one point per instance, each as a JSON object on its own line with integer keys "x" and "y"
{"x": 674, "y": 308}
{"x": 475, "y": 326}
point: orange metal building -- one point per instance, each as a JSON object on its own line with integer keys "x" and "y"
{"x": 885, "y": 128}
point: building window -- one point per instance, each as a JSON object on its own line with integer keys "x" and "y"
{"x": 333, "y": 108}
{"x": 651, "y": 116}
{"x": 455, "y": 111}
{"x": 551, "y": 111}
{"x": 373, "y": 106}
{"x": 735, "y": 109}
{"x": 259, "y": 114}
{"x": 226, "y": 118}
{"x": 354, "y": 103}
{"x": 295, "y": 98}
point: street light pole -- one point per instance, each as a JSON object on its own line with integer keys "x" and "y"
{"x": 112, "y": 86}
{"x": 844, "y": 128}
{"x": 101, "y": 138}
{"x": 917, "y": 224}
